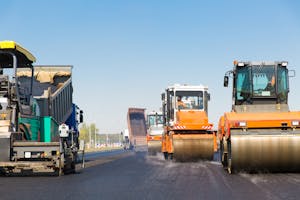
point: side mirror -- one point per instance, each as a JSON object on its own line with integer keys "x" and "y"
{"x": 208, "y": 96}
{"x": 81, "y": 116}
{"x": 163, "y": 96}
{"x": 291, "y": 73}
{"x": 226, "y": 79}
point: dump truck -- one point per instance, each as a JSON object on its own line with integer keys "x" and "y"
{"x": 188, "y": 136}
{"x": 155, "y": 130}
{"x": 38, "y": 119}
{"x": 137, "y": 128}
{"x": 260, "y": 133}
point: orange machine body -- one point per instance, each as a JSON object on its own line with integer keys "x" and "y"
{"x": 276, "y": 120}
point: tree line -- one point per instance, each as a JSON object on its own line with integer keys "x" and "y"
{"x": 90, "y": 133}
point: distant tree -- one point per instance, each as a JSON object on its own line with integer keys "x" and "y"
{"x": 93, "y": 129}
{"x": 87, "y": 133}
{"x": 84, "y": 133}
{"x": 110, "y": 138}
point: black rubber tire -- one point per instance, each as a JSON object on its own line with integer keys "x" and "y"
{"x": 57, "y": 172}
{"x": 73, "y": 167}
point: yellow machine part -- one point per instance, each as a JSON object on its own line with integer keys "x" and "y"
{"x": 193, "y": 147}
{"x": 11, "y": 45}
{"x": 267, "y": 150}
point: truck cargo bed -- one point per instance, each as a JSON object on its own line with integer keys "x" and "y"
{"x": 137, "y": 126}
{"x": 52, "y": 88}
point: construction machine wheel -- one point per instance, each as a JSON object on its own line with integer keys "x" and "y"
{"x": 58, "y": 172}
{"x": 73, "y": 163}
{"x": 73, "y": 167}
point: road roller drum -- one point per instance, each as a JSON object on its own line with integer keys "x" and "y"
{"x": 269, "y": 151}
{"x": 193, "y": 147}
{"x": 154, "y": 147}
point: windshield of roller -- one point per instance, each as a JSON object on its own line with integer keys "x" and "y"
{"x": 187, "y": 100}
{"x": 155, "y": 119}
{"x": 261, "y": 82}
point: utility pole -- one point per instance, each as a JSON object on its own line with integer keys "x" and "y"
{"x": 95, "y": 137}
{"x": 106, "y": 139}
{"x": 90, "y": 134}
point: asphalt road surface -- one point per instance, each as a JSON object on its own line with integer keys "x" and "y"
{"x": 129, "y": 175}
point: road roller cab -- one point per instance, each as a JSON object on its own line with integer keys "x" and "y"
{"x": 188, "y": 136}
{"x": 260, "y": 133}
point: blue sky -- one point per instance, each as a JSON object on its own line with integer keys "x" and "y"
{"x": 126, "y": 52}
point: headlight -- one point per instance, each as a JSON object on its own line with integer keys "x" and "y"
{"x": 27, "y": 154}
{"x": 242, "y": 124}
{"x": 241, "y": 64}
{"x": 284, "y": 64}
{"x": 295, "y": 123}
